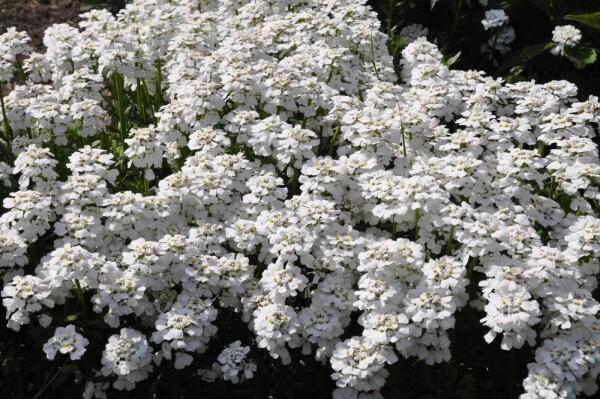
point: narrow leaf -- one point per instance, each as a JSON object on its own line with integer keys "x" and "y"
{"x": 452, "y": 60}
{"x": 528, "y": 52}
{"x": 68, "y": 369}
{"x": 525, "y": 54}
{"x": 591, "y": 20}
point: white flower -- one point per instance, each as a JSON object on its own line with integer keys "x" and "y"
{"x": 500, "y": 42}
{"x": 80, "y": 227}
{"x": 412, "y": 32}
{"x": 565, "y": 36}
{"x": 36, "y": 165}
{"x": 122, "y": 291}
{"x": 298, "y": 188}
{"x": 69, "y": 263}
{"x": 22, "y": 296}
{"x": 13, "y": 249}
{"x": 144, "y": 150}
{"x": 5, "y": 172}
{"x": 121, "y": 211}
{"x": 562, "y": 366}
{"x": 13, "y": 45}
{"x": 277, "y": 325}
{"x": 187, "y": 326}
{"x": 128, "y": 356}
{"x": 233, "y": 360}
{"x": 93, "y": 161}
{"x": 431, "y": 308}
{"x": 511, "y": 312}
{"x": 282, "y": 280}
{"x": 30, "y": 213}
{"x": 494, "y": 19}
{"x": 359, "y": 364}
{"x": 386, "y": 327}
{"x": 66, "y": 341}
{"x": 95, "y": 390}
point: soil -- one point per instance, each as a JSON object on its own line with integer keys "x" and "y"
{"x": 34, "y": 16}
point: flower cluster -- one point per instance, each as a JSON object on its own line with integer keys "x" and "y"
{"x": 565, "y": 36}
{"x": 66, "y": 341}
{"x": 233, "y": 361}
{"x": 187, "y": 161}
{"x": 128, "y": 356}
{"x": 496, "y": 21}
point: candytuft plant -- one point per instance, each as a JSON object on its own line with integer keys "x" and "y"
{"x": 237, "y": 197}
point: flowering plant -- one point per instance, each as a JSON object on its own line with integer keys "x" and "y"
{"x": 215, "y": 190}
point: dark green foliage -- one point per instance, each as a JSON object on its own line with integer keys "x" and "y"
{"x": 455, "y": 25}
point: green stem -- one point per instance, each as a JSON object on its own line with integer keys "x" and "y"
{"x": 305, "y": 118}
{"x": 146, "y": 186}
{"x": 21, "y": 72}
{"x": 330, "y": 73}
{"x": 471, "y": 267}
{"x": 388, "y": 20}
{"x": 403, "y": 139}
{"x": 454, "y": 26}
{"x": 294, "y": 183}
{"x": 141, "y": 108}
{"x": 49, "y": 381}
{"x": 417, "y": 217}
{"x": 491, "y": 57}
{"x": 7, "y": 153}
{"x": 148, "y": 100}
{"x": 80, "y": 298}
{"x": 7, "y": 129}
{"x": 119, "y": 93}
{"x": 158, "y": 94}
{"x": 334, "y": 139}
{"x": 552, "y": 187}
{"x": 320, "y": 134}
{"x": 450, "y": 241}
{"x": 394, "y": 228}
{"x": 373, "y": 57}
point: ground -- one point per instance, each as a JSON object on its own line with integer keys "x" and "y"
{"x": 34, "y": 16}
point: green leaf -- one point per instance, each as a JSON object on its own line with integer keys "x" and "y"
{"x": 68, "y": 369}
{"x": 591, "y": 20}
{"x": 71, "y": 317}
{"x": 433, "y": 3}
{"x": 528, "y": 52}
{"x": 510, "y": 4}
{"x": 515, "y": 74}
{"x": 452, "y": 60}
{"x": 525, "y": 54}
{"x": 78, "y": 377}
{"x": 580, "y": 56}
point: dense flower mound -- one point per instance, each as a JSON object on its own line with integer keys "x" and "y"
{"x": 194, "y": 158}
